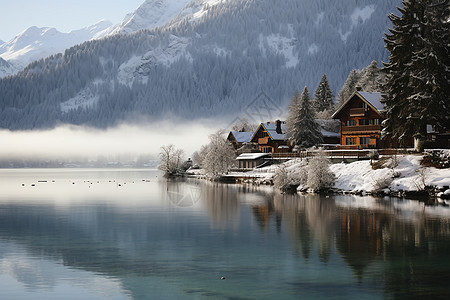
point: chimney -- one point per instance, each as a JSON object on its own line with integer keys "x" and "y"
{"x": 278, "y": 122}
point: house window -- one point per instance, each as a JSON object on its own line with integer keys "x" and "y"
{"x": 364, "y": 105}
{"x": 364, "y": 140}
{"x": 363, "y": 122}
{"x": 351, "y": 123}
{"x": 350, "y": 141}
{"x": 376, "y": 122}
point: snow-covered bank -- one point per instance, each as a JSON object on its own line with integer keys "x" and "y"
{"x": 407, "y": 176}
{"x": 389, "y": 175}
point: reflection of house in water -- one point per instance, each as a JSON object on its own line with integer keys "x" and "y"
{"x": 360, "y": 238}
{"x": 263, "y": 214}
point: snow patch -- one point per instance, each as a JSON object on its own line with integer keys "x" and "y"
{"x": 319, "y": 19}
{"x": 358, "y": 17}
{"x": 284, "y": 46}
{"x": 361, "y": 15}
{"x": 151, "y": 14}
{"x": 136, "y": 67}
{"x": 84, "y": 99}
{"x": 313, "y": 49}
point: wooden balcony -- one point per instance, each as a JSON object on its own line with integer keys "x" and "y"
{"x": 361, "y": 129}
{"x": 263, "y": 141}
{"x": 358, "y": 112}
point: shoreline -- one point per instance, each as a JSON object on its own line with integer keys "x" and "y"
{"x": 407, "y": 177}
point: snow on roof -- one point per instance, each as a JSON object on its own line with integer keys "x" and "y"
{"x": 251, "y": 156}
{"x": 327, "y": 133}
{"x": 374, "y": 99}
{"x": 271, "y": 128}
{"x": 242, "y": 136}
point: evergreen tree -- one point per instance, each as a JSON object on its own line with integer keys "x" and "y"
{"x": 304, "y": 131}
{"x": 293, "y": 111}
{"x": 323, "y": 96}
{"x": 372, "y": 78}
{"x": 349, "y": 86}
{"x": 418, "y": 70}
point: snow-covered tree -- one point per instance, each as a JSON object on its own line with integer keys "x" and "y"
{"x": 323, "y": 97}
{"x": 220, "y": 156}
{"x": 243, "y": 124}
{"x": 198, "y": 157}
{"x": 170, "y": 160}
{"x": 418, "y": 70}
{"x": 303, "y": 130}
{"x": 372, "y": 78}
{"x": 319, "y": 173}
{"x": 349, "y": 86}
{"x": 281, "y": 179}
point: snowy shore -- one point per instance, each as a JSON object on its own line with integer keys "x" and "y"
{"x": 406, "y": 175}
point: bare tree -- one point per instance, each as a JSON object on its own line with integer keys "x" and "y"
{"x": 171, "y": 159}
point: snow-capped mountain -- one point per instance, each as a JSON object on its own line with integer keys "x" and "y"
{"x": 212, "y": 58}
{"x": 36, "y": 43}
{"x": 151, "y": 14}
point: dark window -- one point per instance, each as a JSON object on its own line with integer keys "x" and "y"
{"x": 376, "y": 121}
{"x": 364, "y": 141}
{"x": 351, "y": 123}
{"x": 363, "y": 122}
{"x": 364, "y": 105}
{"x": 350, "y": 141}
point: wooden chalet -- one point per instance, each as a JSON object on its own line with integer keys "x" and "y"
{"x": 361, "y": 117}
{"x": 271, "y": 137}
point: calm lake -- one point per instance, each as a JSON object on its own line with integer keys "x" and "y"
{"x": 128, "y": 234}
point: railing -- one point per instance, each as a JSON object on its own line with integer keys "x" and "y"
{"x": 362, "y": 128}
{"x": 344, "y": 154}
{"x": 358, "y": 112}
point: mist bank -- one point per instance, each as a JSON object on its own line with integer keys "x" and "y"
{"x": 125, "y": 145}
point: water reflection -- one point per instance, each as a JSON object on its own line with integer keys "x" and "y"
{"x": 175, "y": 239}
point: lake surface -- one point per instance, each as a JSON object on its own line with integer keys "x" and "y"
{"x": 127, "y": 234}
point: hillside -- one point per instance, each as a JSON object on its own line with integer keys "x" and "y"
{"x": 210, "y": 61}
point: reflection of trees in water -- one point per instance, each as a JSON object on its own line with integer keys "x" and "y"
{"x": 412, "y": 253}
{"x": 417, "y": 259}
{"x": 308, "y": 218}
{"x": 221, "y": 203}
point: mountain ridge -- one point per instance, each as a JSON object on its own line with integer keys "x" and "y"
{"x": 210, "y": 60}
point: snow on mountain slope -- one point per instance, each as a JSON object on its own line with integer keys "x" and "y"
{"x": 36, "y": 43}
{"x": 151, "y": 14}
{"x": 137, "y": 67}
{"x": 197, "y": 9}
{"x": 359, "y": 16}
{"x": 6, "y": 68}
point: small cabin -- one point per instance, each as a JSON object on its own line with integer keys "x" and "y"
{"x": 271, "y": 137}
{"x": 247, "y": 161}
{"x": 361, "y": 117}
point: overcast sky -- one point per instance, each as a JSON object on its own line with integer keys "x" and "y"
{"x": 64, "y": 15}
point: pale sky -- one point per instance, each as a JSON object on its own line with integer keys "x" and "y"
{"x": 64, "y": 15}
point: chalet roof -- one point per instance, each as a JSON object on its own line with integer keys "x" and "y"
{"x": 242, "y": 136}
{"x": 271, "y": 128}
{"x": 373, "y": 99}
{"x": 251, "y": 156}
